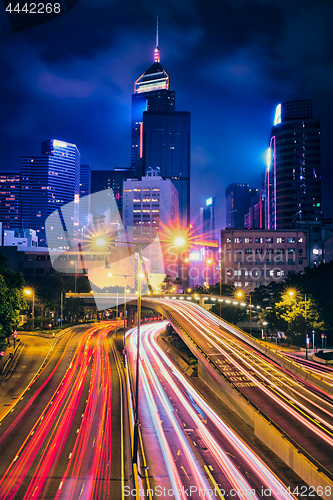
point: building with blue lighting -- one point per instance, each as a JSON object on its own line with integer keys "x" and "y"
{"x": 151, "y": 93}
{"x": 207, "y": 219}
{"x": 166, "y": 146}
{"x": 49, "y": 181}
{"x": 293, "y": 174}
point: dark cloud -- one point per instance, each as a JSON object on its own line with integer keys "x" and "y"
{"x": 230, "y": 63}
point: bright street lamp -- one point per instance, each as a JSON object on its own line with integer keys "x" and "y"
{"x": 30, "y": 292}
{"x": 208, "y": 263}
{"x": 264, "y": 324}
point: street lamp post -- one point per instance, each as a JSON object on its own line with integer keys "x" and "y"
{"x": 30, "y": 291}
{"x": 240, "y": 294}
{"x": 208, "y": 262}
{"x": 250, "y": 314}
{"x": 178, "y": 242}
{"x": 264, "y": 324}
{"x": 136, "y": 424}
{"x": 220, "y": 287}
{"x": 291, "y": 293}
{"x": 125, "y": 276}
{"x": 61, "y": 308}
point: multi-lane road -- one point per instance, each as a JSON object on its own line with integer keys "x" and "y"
{"x": 301, "y": 412}
{"x": 189, "y": 449}
{"x": 67, "y": 434}
{"x": 64, "y": 437}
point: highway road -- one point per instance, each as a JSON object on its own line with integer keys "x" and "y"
{"x": 187, "y": 447}
{"x": 64, "y": 436}
{"x": 302, "y": 412}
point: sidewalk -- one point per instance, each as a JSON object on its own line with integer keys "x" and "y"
{"x": 10, "y": 359}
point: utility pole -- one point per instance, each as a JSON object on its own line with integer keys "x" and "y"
{"x": 137, "y": 423}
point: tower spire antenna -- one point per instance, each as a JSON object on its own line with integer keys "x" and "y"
{"x": 157, "y": 50}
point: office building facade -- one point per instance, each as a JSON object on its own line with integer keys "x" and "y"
{"x": 254, "y": 257}
{"x": 151, "y": 206}
{"x": 10, "y": 199}
{"x": 49, "y": 181}
{"x": 293, "y": 174}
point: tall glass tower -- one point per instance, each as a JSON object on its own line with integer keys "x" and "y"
{"x": 151, "y": 93}
{"x": 160, "y": 135}
{"x": 293, "y": 175}
{"x": 49, "y": 181}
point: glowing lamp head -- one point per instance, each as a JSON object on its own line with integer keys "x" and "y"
{"x": 291, "y": 293}
{"x": 109, "y": 275}
{"x": 100, "y": 242}
{"x": 141, "y": 275}
{"x": 209, "y": 261}
{"x": 179, "y": 241}
{"x": 239, "y": 295}
{"x": 27, "y": 291}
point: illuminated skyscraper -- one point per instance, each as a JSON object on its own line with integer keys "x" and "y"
{"x": 10, "y": 197}
{"x": 207, "y": 219}
{"x": 161, "y": 135}
{"x": 49, "y": 181}
{"x": 151, "y": 93}
{"x": 166, "y": 146}
{"x": 293, "y": 175}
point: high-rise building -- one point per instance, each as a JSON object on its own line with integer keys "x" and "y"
{"x": 160, "y": 135}
{"x": 293, "y": 175}
{"x": 151, "y": 93}
{"x": 150, "y": 205}
{"x": 166, "y": 143}
{"x": 238, "y": 201}
{"x": 10, "y": 198}
{"x": 207, "y": 219}
{"x": 49, "y": 181}
{"x": 255, "y": 219}
{"x": 111, "y": 179}
{"x": 84, "y": 191}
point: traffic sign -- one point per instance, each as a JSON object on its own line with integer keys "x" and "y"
{"x": 2, "y": 353}
{"x": 15, "y": 334}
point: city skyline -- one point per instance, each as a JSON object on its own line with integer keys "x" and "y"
{"x": 78, "y": 88}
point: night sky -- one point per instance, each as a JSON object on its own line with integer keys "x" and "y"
{"x": 230, "y": 63}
